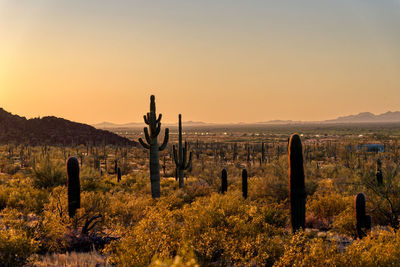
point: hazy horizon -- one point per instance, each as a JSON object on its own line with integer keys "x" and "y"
{"x": 212, "y": 61}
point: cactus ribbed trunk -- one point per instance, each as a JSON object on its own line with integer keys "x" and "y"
{"x": 119, "y": 174}
{"x": 180, "y": 157}
{"x": 180, "y": 151}
{"x": 244, "y": 183}
{"x": 151, "y": 133}
{"x": 297, "y": 194}
{"x": 74, "y": 189}
{"x": 379, "y": 175}
{"x": 262, "y": 153}
{"x": 363, "y": 221}
{"x": 154, "y": 169}
{"x": 224, "y": 181}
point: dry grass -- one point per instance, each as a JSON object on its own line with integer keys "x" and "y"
{"x": 72, "y": 259}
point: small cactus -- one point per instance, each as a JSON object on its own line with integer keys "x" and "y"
{"x": 151, "y": 135}
{"x": 262, "y": 152}
{"x": 244, "y": 183}
{"x": 119, "y": 174}
{"x": 297, "y": 193}
{"x": 379, "y": 175}
{"x": 224, "y": 181}
{"x": 74, "y": 189}
{"x": 363, "y": 221}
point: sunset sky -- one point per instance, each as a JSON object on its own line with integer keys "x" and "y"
{"x": 211, "y": 60}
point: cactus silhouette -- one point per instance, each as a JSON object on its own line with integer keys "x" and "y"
{"x": 224, "y": 181}
{"x": 379, "y": 175}
{"x": 119, "y": 174}
{"x": 244, "y": 183}
{"x": 262, "y": 152}
{"x": 180, "y": 157}
{"x": 297, "y": 194}
{"x": 363, "y": 221}
{"x": 164, "y": 166}
{"x": 74, "y": 189}
{"x": 151, "y": 133}
{"x": 235, "y": 151}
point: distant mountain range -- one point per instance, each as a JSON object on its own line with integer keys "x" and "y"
{"x": 368, "y": 117}
{"x": 364, "y": 117}
{"x": 53, "y": 131}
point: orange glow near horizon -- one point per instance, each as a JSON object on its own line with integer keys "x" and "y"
{"x": 216, "y": 62}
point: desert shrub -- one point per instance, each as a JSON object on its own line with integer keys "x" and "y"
{"x": 276, "y": 188}
{"x": 221, "y": 229}
{"x": 304, "y": 250}
{"x": 90, "y": 180}
{"x": 383, "y": 200}
{"x": 16, "y": 238}
{"x": 15, "y": 247}
{"x": 325, "y": 204}
{"x": 224, "y": 229}
{"x": 54, "y": 222}
{"x": 10, "y": 168}
{"x": 184, "y": 258}
{"x": 48, "y": 174}
{"x": 18, "y": 193}
{"x": 345, "y": 222}
{"x": 156, "y": 235}
{"x": 126, "y": 209}
{"x": 379, "y": 248}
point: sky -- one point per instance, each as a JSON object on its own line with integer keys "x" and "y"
{"x": 211, "y": 60}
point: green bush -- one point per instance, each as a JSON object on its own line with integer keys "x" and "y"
{"x": 47, "y": 174}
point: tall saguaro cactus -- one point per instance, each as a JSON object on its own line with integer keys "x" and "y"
{"x": 74, "y": 189}
{"x": 244, "y": 183}
{"x": 297, "y": 192}
{"x": 180, "y": 157}
{"x": 363, "y": 221}
{"x": 151, "y": 133}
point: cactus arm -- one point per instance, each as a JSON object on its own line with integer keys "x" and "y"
{"x": 184, "y": 158}
{"x": 166, "y": 138}
{"x": 190, "y": 161}
{"x": 159, "y": 118}
{"x": 146, "y": 134}
{"x": 175, "y": 156}
{"x": 144, "y": 144}
{"x": 146, "y": 119}
{"x": 158, "y": 128}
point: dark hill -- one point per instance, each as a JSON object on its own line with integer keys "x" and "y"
{"x": 53, "y": 131}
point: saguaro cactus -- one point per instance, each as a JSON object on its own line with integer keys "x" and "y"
{"x": 363, "y": 221}
{"x": 262, "y": 152}
{"x": 244, "y": 183}
{"x": 235, "y": 151}
{"x": 151, "y": 134}
{"x": 224, "y": 181}
{"x": 248, "y": 154}
{"x": 164, "y": 166}
{"x": 297, "y": 192}
{"x": 379, "y": 175}
{"x": 119, "y": 174}
{"x": 74, "y": 189}
{"x": 180, "y": 157}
